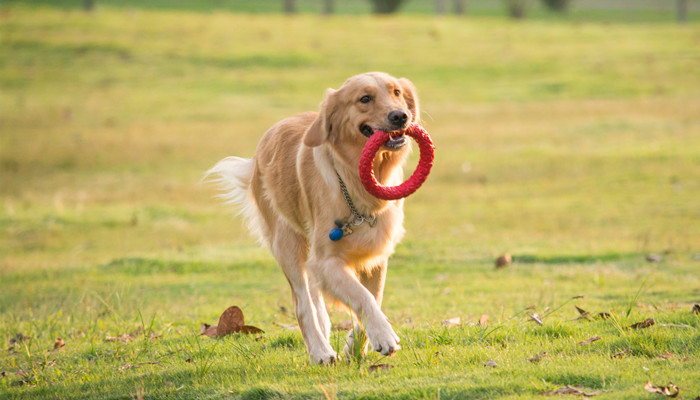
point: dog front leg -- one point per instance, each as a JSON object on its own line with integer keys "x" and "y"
{"x": 356, "y": 340}
{"x": 339, "y": 280}
{"x": 289, "y": 250}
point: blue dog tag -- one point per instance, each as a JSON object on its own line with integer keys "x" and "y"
{"x": 336, "y": 234}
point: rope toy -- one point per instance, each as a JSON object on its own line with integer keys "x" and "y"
{"x": 425, "y": 163}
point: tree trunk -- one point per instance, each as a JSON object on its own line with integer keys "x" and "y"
{"x": 289, "y": 7}
{"x": 440, "y": 7}
{"x": 327, "y": 7}
{"x": 386, "y": 6}
{"x": 682, "y": 8}
{"x": 516, "y": 8}
{"x": 459, "y": 7}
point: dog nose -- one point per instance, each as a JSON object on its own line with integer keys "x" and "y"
{"x": 397, "y": 118}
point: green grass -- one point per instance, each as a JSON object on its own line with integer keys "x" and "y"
{"x": 573, "y": 145}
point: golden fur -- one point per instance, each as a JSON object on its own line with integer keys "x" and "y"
{"x": 291, "y": 197}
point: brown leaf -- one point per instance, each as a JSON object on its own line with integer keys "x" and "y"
{"x": 666, "y": 354}
{"x": 536, "y": 318}
{"x": 583, "y": 313}
{"x": 589, "y": 341}
{"x": 59, "y": 343}
{"x": 250, "y": 330}
{"x": 537, "y": 358}
{"x": 644, "y": 324}
{"x": 209, "y": 330}
{"x": 654, "y": 257}
{"x": 503, "y": 260}
{"x": 621, "y": 354}
{"x": 571, "y": 390}
{"x": 603, "y": 315}
{"x": 189, "y": 361}
{"x": 669, "y": 390}
{"x": 696, "y": 309}
{"x": 380, "y": 367}
{"x": 484, "y": 320}
{"x": 230, "y": 321}
{"x": 19, "y": 338}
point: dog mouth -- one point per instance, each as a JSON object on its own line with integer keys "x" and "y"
{"x": 396, "y": 140}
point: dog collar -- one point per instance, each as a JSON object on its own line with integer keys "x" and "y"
{"x": 344, "y": 227}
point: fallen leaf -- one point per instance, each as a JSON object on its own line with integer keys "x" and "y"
{"x": 666, "y": 354}
{"x": 490, "y": 363}
{"x": 571, "y": 390}
{"x": 503, "y": 260}
{"x": 537, "y": 358}
{"x": 654, "y": 257}
{"x": 19, "y": 338}
{"x": 452, "y": 322}
{"x": 536, "y": 318}
{"x": 589, "y": 340}
{"x": 189, "y": 361}
{"x": 669, "y": 390}
{"x": 250, "y": 330}
{"x": 644, "y": 324}
{"x": 696, "y": 309}
{"x": 230, "y": 321}
{"x": 484, "y": 320}
{"x": 209, "y": 330}
{"x": 621, "y": 354}
{"x": 603, "y": 315}
{"x": 380, "y": 367}
{"x": 59, "y": 343}
{"x": 583, "y": 314}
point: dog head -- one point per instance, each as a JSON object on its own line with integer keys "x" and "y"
{"x": 363, "y": 104}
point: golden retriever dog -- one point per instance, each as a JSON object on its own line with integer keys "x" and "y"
{"x": 303, "y": 182}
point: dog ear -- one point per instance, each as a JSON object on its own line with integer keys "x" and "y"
{"x": 411, "y": 98}
{"x": 319, "y": 130}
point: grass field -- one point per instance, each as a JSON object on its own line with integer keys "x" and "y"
{"x": 572, "y": 145}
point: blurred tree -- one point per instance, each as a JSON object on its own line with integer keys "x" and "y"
{"x": 459, "y": 7}
{"x": 386, "y": 6}
{"x": 682, "y": 8}
{"x": 327, "y": 7}
{"x": 289, "y": 7}
{"x": 440, "y": 7}
{"x": 516, "y": 8}
{"x": 88, "y": 5}
{"x": 557, "y": 5}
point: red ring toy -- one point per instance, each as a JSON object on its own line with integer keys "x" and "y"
{"x": 425, "y": 163}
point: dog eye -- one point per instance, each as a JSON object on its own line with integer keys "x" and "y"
{"x": 397, "y": 92}
{"x": 365, "y": 99}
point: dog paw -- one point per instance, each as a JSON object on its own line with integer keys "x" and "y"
{"x": 384, "y": 340}
{"x": 324, "y": 358}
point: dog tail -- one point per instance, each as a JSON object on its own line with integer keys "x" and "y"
{"x": 233, "y": 176}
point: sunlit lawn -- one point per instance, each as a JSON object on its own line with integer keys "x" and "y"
{"x": 573, "y": 146}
